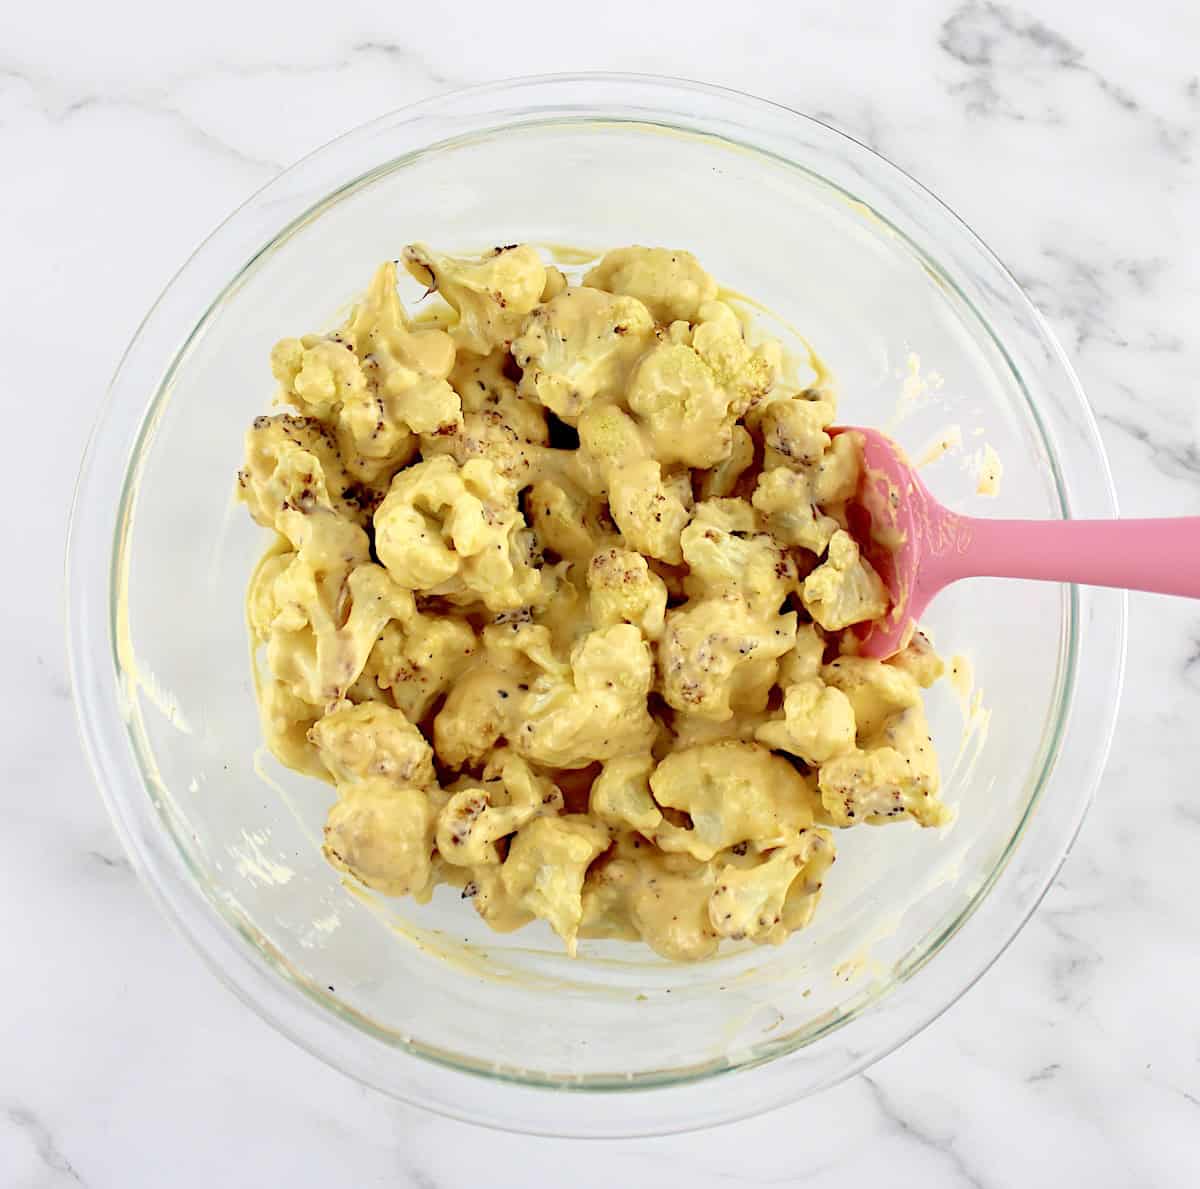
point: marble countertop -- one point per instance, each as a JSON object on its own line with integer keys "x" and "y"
{"x": 1069, "y": 140}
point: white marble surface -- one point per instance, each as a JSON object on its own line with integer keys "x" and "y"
{"x": 1069, "y": 139}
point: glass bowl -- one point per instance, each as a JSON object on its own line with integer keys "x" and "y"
{"x": 424, "y": 1002}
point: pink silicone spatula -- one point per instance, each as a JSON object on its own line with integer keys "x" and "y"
{"x": 919, "y": 546}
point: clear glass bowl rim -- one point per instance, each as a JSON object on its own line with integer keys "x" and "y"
{"x": 98, "y": 524}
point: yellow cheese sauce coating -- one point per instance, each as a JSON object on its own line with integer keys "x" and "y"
{"x": 561, "y": 599}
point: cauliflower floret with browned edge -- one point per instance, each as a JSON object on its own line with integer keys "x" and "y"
{"x": 704, "y": 645}
{"x": 579, "y": 347}
{"x": 793, "y": 430}
{"x": 648, "y": 510}
{"x": 381, "y": 833}
{"x": 669, "y": 282}
{"x": 487, "y": 702}
{"x": 292, "y": 466}
{"x": 623, "y": 589}
{"x": 305, "y": 647}
{"x": 746, "y": 372}
{"x": 492, "y": 294}
{"x": 488, "y": 435}
{"x": 790, "y": 511}
{"x": 414, "y": 662}
{"x": 485, "y": 384}
{"x": 752, "y": 893}
{"x": 545, "y": 869}
{"x": 844, "y": 589}
{"x": 620, "y": 795}
{"x": 732, "y": 792}
{"x": 919, "y": 661}
{"x": 479, "y": 814}
{"x": 893, "y": 771}
{"x": 458, "y": 532}
{"x": 360, "y": 742}
{"x": 600, "y": 712}
{"x": 379, "y": 380}
{"x": 747, "y": 563}
{"x": 880, "y": 784}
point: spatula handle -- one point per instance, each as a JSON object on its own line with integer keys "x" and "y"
{"x": 1155, "y": 555}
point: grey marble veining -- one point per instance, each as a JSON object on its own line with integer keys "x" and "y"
{"x": 1065, "y": 133}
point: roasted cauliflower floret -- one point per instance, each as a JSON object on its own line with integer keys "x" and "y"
{"x": 620, "y": 795}
{"x": 623, "y": 589}
{"x": 485, "y": 385}
{"x": 481, "y": 708}
{"x": 457, "y": 531}
{"x": 876, "y": 691}
{"x": 710, "y": 648}
{"x": 747, "y": 373}
{"x": 845, "y": 588}
{"x": 567, "y": 522}
{"x": 732, "y": 792}
{"x": 670, "y": 283}
{"x": 817, "y": 725}
{"x": 732, "y": 562}
{"x": 545, "y": 869}
{"x": 306, "y": 649}
{"x": 753, "y": 894}
{"x": 579, "y": 347}
{"x": 609, "y": 441}
{"x": 722, "y": 480}
{"x": 487, "y": 435}
{"x": 379, "y": 380}
{"x": 685, "y": 411}
{"x": 292, "y": 466}
{"x": 804, "y": 659}
{"x": 478, "y": 814}
{"x": 649, "y": 512}
{"x": 790, "y": 510}
{"x": 286, "y": 721}
{"x": 381, "y": 833}
{"x": 893, "y": 771}
{"x": 599, "y": 712}
{"x": 836, "y": 477}
{"x": 492, "y": 294}
{"x": 360, "y": 742}
{"x": 793, "y": 431}
{"x": 919, "y": 661}
{"x": 487, "y": 702}
{"x": 689, "y": 390}
{"x": 662, "y": 898}
{"x": 878, "y": 785}
{"x": 417, "y": 660}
